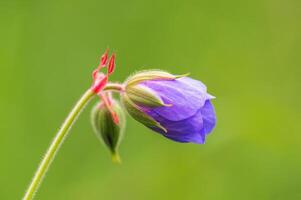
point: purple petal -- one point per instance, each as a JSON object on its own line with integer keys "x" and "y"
{"x": 187, "y": 130}
{"x": 209, "y": 117}
{"x": 193, "y": 129}
{"x": 192, "y": 138}
{"x": 186, "y": 95}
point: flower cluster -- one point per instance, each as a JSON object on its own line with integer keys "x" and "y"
{"x": 175, "y": 106}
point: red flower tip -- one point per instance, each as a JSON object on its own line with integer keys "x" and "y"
{"x": 111, "y": 65}
{"x": 99, "y": 79}
{"x": 95, "y": 74}
{"x": 108, "y": 103}
{"x": 99, "y": 83}
{"x": 115, "y": 117}
{"x": 104, "y": 58}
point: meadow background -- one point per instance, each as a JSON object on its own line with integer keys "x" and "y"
{"x": 247, "y": 52}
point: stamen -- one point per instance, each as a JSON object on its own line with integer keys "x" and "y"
{"x": 95, "y": 73}
{"x": 99, "y": 79}
{"x": 111, "y": 65}
{"x": 104, "y": 58}
{"x": 108, "y": 104}
{"x": 103, "y": 62}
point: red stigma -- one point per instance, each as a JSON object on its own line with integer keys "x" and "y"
{"x": 99, "y": 79}
{"x": 115, "y": 118}
{"x": 94, "y": 74}
{"x": 104, "y": 58}
{"x": 111, "y": 65}
{"x": 108, "y": 103}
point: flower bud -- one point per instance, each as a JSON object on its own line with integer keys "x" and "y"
{"x": 137, "y": 97}
{"x": 108, "y": 131}
{"x": 178, "y": 107}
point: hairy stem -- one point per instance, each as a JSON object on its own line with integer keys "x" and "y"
{"x": 60, "y": 136}
{"x": 116, "y": 87}
{"x": 56, "y": 143}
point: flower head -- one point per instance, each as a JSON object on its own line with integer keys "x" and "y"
{"x": 177, "y": 107}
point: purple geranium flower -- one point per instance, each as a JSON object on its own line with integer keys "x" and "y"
{"x": 186, "y": 113}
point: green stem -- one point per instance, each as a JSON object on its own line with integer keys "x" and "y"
{"x": 116, "y": 87}
{"x": 56, "y": 143}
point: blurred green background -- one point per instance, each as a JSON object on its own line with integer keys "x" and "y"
{"x": 247, "y": 52}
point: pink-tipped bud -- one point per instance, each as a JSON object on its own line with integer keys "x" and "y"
{"x": 104, "y": 59}
{"x": 107, "y": 130}
{"x": 111, "y": 65}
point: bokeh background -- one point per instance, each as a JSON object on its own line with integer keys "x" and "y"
{"x": 247, "y": 52}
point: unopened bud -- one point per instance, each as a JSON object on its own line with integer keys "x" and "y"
{"x": 178, "y": 107}
{"x": 138, "y": 98}
{"x": 106, "y": 129}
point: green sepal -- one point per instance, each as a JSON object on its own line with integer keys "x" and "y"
{"x": 106, "y": 129}
{"x": 181, "y": 75}
{"x": 150, "y": 75}
{"x": 144, "y": 96}
{"x": 136, "y": 112}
